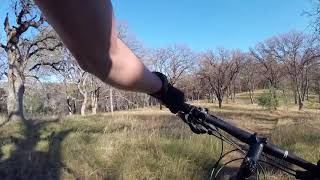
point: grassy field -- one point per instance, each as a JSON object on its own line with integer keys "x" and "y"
{"x": 144, "y": 143}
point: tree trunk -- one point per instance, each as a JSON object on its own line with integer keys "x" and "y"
{"x": 212, "y": 97}
{"x": 74, "y": 107}
{"x": 94, "y": 105}
{"x": 111, "y": 100}
{"x": 300, "y": 103}
{"x": 305, "y": 89}
{"x": 94, "y": 100}
{"x": 116, "y": 105}
{"x": 83, "y": 91}
{"x": 234, "y": 93}
{"x": 308, "y": 93}
{"x": 300, "y": 97}
{"x": 220, "y": 99}
{"x": 251, "y": 96}
{"x": 318, "y": 95}
{"x": 84, "y": 104}
{"x": 274, "y": 92}
{"x": 15, "y": 89}
{"x": 147, "y": 100}
{"x": 295, "y": 97}
{"x": 318, "y": 87}
{"x": 220, "y": 103}
{"x": 252, "y": 92}
{"x": 228, "y": 95}
{"x": 69, "y": 104}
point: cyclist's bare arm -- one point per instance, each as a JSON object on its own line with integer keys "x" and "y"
{"x": 87, "y": 28}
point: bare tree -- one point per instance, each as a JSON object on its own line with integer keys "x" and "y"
{"x": 264, "y": 54}
{"x": 69, "y": 74}
{"x": 111, "y": 99}
{"x": 314, "y": 14}
{"x": 315, "y": 78}
{"x": 193, "y": 85}
{"x": 220, "y": 69}
{"x": 94, "y": 85}
{"x": 298, "y": 52}
{"x": 250, "y": 76}
{"x": 173, "y": 61}
{"x": 73, "y": 75}
{"x": 130, "y": 40}
{"x": 82, "y": 87}
{"x": 20, "y": 51}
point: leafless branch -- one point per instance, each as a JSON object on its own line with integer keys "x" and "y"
{"x": 32, "y": 76}
{"x": 20, "y": 15}
{"x": 39, "y": 49}
{"x": 36, "y": 78}
{"x": 7, "y": 24}
{"x": 53, "y": 65}
{"x": 38, "y": 23}
{"x": 3, "y": 46}
{"x": 30, "y": 23}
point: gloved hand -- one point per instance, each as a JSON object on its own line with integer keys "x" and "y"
{"x": 170, "y": 96}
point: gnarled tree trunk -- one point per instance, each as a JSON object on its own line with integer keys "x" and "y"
{"x": 15, "y": 89}
{"x": 19, "y": 54}
{"x": 300, "y": 99}
{"x": 71, "y": 103}
{"x": 83, "y": 91}
{"x": 94, "y": 100}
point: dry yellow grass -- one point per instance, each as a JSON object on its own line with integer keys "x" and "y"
{"x": 143, "y": 143}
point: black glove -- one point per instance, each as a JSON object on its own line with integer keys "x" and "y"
{"x": 170, "y": 96}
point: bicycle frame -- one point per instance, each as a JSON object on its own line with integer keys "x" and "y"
{"x": 257, "y": 145}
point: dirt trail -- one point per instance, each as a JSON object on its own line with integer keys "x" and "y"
{"x": 262, "y": 127}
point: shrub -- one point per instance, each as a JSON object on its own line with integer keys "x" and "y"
{"x": 269, "y": 100}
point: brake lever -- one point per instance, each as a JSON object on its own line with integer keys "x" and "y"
{"x": 193, "y": 122}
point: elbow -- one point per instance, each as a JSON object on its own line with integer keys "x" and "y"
{"x": 100, "y": 67}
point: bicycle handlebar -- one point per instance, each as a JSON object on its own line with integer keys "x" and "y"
{"x": 312, "y": 170}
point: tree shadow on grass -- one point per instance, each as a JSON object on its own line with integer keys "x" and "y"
{"x": 28, "y": 163}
